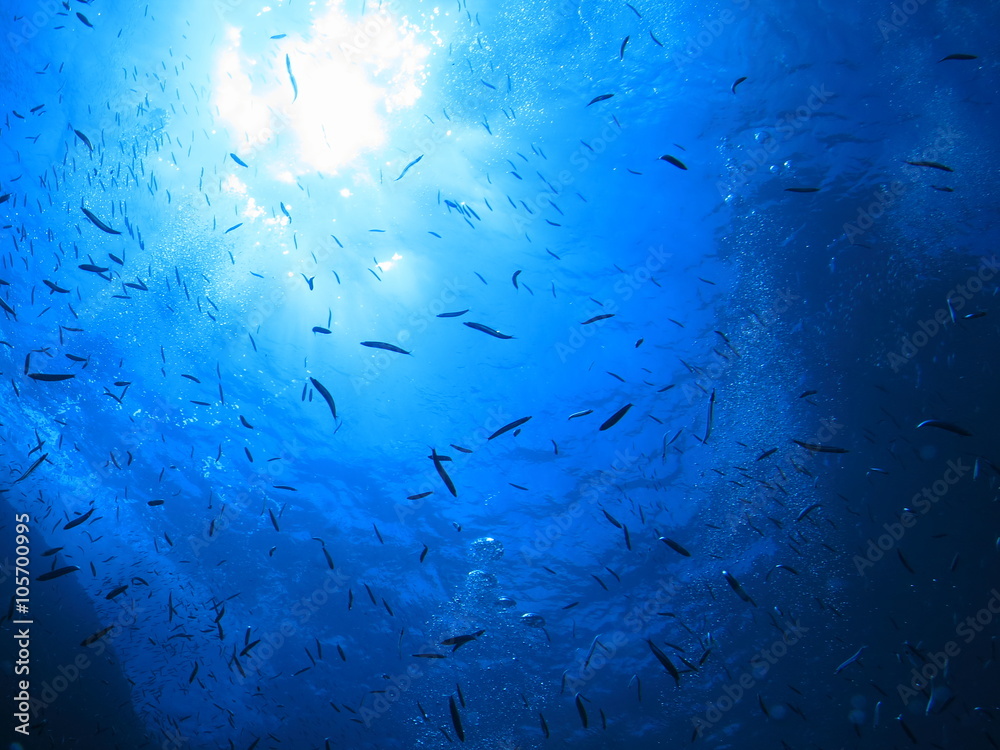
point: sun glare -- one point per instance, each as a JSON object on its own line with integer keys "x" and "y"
{"x": 324, "y": 93}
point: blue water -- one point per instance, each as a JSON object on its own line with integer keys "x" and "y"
{"x": 770, "y": 312}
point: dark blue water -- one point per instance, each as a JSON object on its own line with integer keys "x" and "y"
{"x": 718, "y": 264}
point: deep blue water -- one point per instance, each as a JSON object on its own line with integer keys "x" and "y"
{"x": 763, "y": 235}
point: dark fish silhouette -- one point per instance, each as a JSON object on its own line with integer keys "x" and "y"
{"x": 97, "y": 222}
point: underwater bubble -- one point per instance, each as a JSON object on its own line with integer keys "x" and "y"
{"x": 506, "y": 602}
{"x": 533, "y": 620}
{"x": 480, "y": 583}
{"x": 485, "y": 549}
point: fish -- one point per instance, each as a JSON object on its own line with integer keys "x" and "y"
{"x": 424, "y": 553}
{"x": 383, "y": 345}
{"x": 739, "y": 80}
{"x": 78, "y": 520}
{"x": 790, "y": 569}
{"x": 486, "y": 329}
{"x": 84, "y": 21}
{"x": 614, "y": 521}
{"x": 665, "y": 661}
{"x": 959, "y": 56}
{"x": 621, "y": 51}
{"x": 735, "y": 585}
{"x": 578, "y": 414}
{"x": 437, "y": 459}
{"x": 321, "y": 389}
{"x": 508, "y": 427}
{"x": 673, "y": 160}
{"x": 407, "y": 168}
{"x": 601, "y": 98}
{"x": 765, "y": 454}
{"x": 948, "y": 426}
{"x": 614, "y": 418}
{"x": 802, "y": 190}
{"x": 456, "y": 719}
{"x": 291, "y": 77}
{"x": 807, "y": 511}
{"x": 460, "y": 640}
{"x": 931, "y": 164}
{"x": 420, "y": 495}
{"x": 97, "y": 222}
{"x": 596, "y": 318}
{"x": 92, "y": 268}
{"x": 452, "y": 314}
{"x": 711, "y": 416}
{"x": 544, "y": 725}
{"x": 856, "y": 656}
{"x": 27, "y": 473}
{"x": 96, "y": 636}
{"x": 320, "y": 329}
{"x": 85, "y": 139}
{"x": 675, "y": 546}
{"x": 580, "y": 709}
{"x": 820, "y": 448}
{"x": 57, "y": 573}
{"x": 429, "y": 656}
{"x": 902, "y": 559}
{"x": 239, "y": 161}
